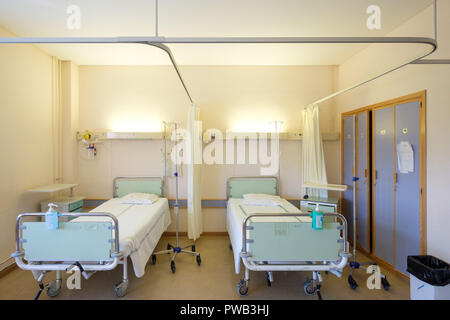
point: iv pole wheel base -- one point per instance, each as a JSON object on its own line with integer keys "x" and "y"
{"x": 269, "y": 283}
{"x": 199, "y": 260}
{"x": 169, "y": 247}
{"x": 121, "y": 288}
{"x": 385, "y": 283}
{"x": 242, "y": 288}
{"x": 54, "y": 288}
{"x": 193, "y": 248}
{"x": 172, "y": 266}
{"x": 352, "y": 283}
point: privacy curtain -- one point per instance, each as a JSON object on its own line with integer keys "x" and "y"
{"x": 313, "y": 160}
{"x": 195, "y": 223}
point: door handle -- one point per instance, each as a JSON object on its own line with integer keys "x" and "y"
{"x": 395, "y": 180}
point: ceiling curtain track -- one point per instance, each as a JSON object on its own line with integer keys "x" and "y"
{"x": 433, "y": 61}
{"x": 160, "y": 42}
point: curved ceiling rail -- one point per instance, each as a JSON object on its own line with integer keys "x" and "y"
{"x": 431, "y": 61}
{"x": 159, "y": 42}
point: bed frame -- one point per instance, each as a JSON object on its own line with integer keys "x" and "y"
{"x": 288, "y": 246}
{"x": 84, "y": 246}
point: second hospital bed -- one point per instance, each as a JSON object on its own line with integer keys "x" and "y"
{"x": 281, "y": 238}
{"x": 96, "y": 241}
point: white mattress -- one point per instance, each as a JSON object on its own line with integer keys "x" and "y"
{"x": 236, "y": 216}
{"x": 140, "y": 228}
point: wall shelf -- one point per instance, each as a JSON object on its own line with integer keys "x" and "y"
{"x": 54, "y": 188}
{"x": 109, "y": 135}
{"x": 327, "y": 136}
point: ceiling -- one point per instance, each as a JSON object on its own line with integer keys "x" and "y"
{"x": 205, "y": 18}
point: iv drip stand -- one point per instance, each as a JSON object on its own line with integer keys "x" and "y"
{"x": 170, "y": 248}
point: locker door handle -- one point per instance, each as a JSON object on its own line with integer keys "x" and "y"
{"x": 395, "y": 180}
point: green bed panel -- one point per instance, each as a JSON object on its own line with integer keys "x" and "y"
{"x": 128, "y": 185}
{"x": 294, "y": 241}
{"x": 240, "y": 186}
{"x": 72, "y": 241}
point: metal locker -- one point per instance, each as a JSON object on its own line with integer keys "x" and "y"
{"x": 383, "y": 183}
{"x": 407, "y": 186}
{"x": 363, "y": 186}
{"x": 347, "y": 202}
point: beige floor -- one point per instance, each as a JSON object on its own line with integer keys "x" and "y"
{"x": 214, "y": 279}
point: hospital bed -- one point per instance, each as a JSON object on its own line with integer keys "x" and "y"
{"x": 281, "y": 238}
{"x": 99, "y": 240}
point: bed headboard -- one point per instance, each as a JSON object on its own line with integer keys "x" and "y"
{"x": 238, "y": 186}
{"x": 125, "y": 185}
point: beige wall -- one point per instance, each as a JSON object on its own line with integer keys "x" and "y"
{"x": 234, "y": 98}
{"x": 25, "y": 134}
{"x": 435, "y": 79}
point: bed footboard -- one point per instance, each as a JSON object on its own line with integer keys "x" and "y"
{"x": 294, "y": 245}
{"x": 95, "y": 243}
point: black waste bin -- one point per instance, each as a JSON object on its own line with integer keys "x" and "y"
{"x": 429, "y": 269}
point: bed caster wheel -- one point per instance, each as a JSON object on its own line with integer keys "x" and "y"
{"x": 153, "y": 261}
{"x": 385, "y": 283}
{"x": 352, "y": 283}
{"x": 231, "y": 247}
{"x": 121, "y": 288}
{"x": 269, "y": 283}
{"x": 193, "y": 248}
{"x": 309, "y": 288}
{"x": 242, "y": 288}
{"x": 199, "y": 260}
{"x": 54, "y": 288}
{"x": 172, "y": 266}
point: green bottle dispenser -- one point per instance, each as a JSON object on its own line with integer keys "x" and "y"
{"x": 317, "y": 218}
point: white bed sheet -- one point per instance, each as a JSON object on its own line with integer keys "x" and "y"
{"x": 235, "y": 218}
{"x": 140, "y": 228}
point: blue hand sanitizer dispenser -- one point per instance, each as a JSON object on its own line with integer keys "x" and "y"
{"x": 317, "y": 219}
{"x": 51, "y": 217}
